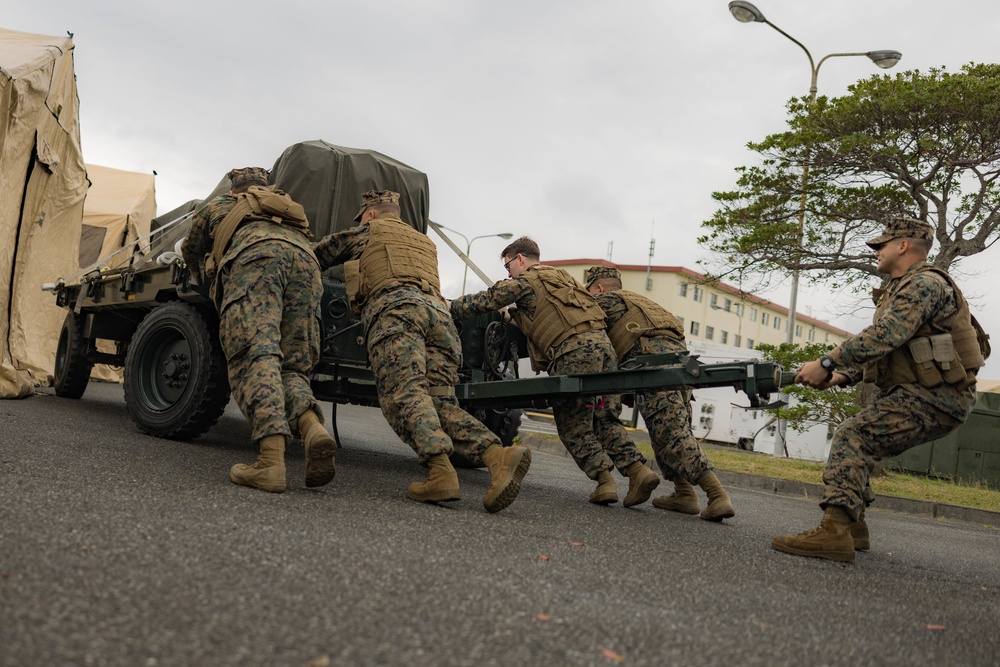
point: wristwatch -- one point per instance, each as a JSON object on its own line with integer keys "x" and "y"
{"x": 828, "y": 365}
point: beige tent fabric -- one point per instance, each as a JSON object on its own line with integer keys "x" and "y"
{"x": 119, "y": 208}
{"x": 41, "y": 201}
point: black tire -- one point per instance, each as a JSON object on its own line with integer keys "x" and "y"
{"x": 504, "y": 423}
{"x": 72, "y": 371}
{"x": 175, "y": 373}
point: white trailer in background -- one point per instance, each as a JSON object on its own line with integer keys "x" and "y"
{"x": 718, "y": 415}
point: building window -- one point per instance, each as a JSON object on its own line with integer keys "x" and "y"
{"x": 828, "y": 338}
{"x": 749, "y": 343}
{"x": 764, "y": 318}
{"x": 724, "y": 338}
{"x": 699, "y": 294}
{"x": 681, "y": 319}
{"x": 709, "y": 333}
{"x": 812, "y": 335}
{"x": 727, "y": 305}
{"x": 736, "y": 341}
{"x": 777, "y": 322}
{"x": 753, "y": 314}
{"x": 684, "y": 289}
{"x": 713, "y": 300}
{"x": 739, "y": 309}
{"x": 798, "y": 331}
{"x": 694, "y": 326}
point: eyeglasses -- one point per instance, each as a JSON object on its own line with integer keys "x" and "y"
{"x": 506, "y": 265}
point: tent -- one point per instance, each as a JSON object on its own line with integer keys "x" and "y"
{"x": 41, "y": 201}
{"x": 119, "y": 208}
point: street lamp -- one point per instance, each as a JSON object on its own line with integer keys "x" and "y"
{"x": 746, "y": 12}
{"x": 468, "y": 247}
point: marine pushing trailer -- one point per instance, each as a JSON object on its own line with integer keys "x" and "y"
{"x": 164, "y": 328}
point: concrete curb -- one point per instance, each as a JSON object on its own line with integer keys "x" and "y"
{"x": 926, "y": 509}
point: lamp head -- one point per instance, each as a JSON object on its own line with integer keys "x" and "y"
{"x": 746, "y": 12}
{"x": 884, "y": 59}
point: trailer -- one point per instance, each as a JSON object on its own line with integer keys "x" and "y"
{"x": 163, "y": 327}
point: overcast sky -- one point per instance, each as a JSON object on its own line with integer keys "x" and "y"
{"x": 583, "y": 123}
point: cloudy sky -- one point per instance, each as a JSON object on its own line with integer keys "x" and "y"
{"x": 584, "y": 123}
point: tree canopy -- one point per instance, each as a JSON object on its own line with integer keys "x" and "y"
{"x": 926, "y": 145}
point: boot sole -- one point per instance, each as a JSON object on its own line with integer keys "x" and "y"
{"x": 679, "y": 509}
{"x": 442, "y": 496}
{"x": 644, "y": 491}
{"x": 513, "y": 486}
{"x": 320, "y": 464}
{"x": 840, "y": 556}
{"x": 606, "y": 499}
{"x": 270, "y": 488}
{"x": 717, "y": 518}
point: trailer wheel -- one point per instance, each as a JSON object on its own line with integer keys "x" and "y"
{"x": 504, "y": 423}
{"x": 175, "y": 373}
{"x": 72, "y": 371}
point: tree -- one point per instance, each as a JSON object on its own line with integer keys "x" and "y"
{"x": 923, "y": 145}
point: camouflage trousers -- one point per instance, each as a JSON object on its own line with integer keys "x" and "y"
{"x": 413, "y": 347}
{"x": 892, "y": 424}
{"x": 668, "y": 419}
{"x": 589, "y": 428}
{"x": 270, "y": 332}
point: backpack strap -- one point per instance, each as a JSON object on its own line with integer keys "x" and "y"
{"x": 223, "y": 234}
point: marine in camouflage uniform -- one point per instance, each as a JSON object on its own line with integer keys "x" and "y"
{"x": 638, "y": 326}
{"x": 415, "y": 352}
{"x": 267, "y": 288}
{"x": 922, "y": 352}
{"x": 565, "y": 331}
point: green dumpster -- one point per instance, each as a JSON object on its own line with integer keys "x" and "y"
{"x": 969, "y": 453}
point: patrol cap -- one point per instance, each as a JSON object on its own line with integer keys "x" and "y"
{"x": 903, "y": 228}
{"x": 249, "y": 176}
{"x": 373, "y": 197}
{"x": 596, "y": 273}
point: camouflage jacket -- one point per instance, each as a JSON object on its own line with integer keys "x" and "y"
{"x": 340, "y": 247}
{"x": 516, "y": 292}
{"x": 199, "y": 239}
{"x": 927, "y": 298}
{"x": 614, "y": 308}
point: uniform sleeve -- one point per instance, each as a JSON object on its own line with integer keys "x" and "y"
{"x": 341, "y": 247}
{"x": 198, "y": 242}
{"x": 503, "y": 293}
{"x": 613, "y": 306}
{"x": 916, "y": 303}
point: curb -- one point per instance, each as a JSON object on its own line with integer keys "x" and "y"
{"x": 782, "y": 487}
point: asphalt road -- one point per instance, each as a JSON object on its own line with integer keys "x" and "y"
{"x": 117, "y": 548}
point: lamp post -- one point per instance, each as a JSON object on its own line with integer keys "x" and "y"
{"x": 468, "y": 246}
{"x": 746, "y": 12}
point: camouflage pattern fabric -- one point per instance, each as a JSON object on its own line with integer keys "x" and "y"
{"x": 412, "y": 345}
{"x": 903, "y": 416}
{"x": 667, "y": 413}
{"x": 591, "y": 432}
{"x": 270, "y": 331}
{"x": 268, "y": 290}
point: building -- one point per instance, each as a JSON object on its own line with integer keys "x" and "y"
{"x": 714, "y": 313}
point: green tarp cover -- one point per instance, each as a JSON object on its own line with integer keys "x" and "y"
{"x": 328, "y": 181}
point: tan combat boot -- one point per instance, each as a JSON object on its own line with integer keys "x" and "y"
{"x": 859, "y": 533}
{"x": 320, "y": 448}
{"x": 606, "y": 492}
{"x": 641, "y": 482}
{"x": 683, "y": 499}
{"x": 507, "y": 466}
{"x": 268, "y": 473}
{"x": 441, "y": 485}
{"x": 719, "y": 506}
{"x": 829, "y": 539}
